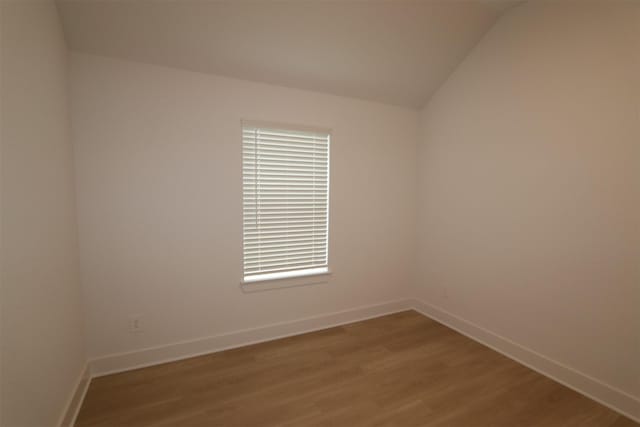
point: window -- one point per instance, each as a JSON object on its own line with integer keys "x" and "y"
{"x": 285, "y": 181}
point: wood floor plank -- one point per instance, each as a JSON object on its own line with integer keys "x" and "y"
{"x": 398, "y": 370}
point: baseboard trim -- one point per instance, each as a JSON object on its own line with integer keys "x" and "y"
{"x": 605, "y": 394}
{"x": 597, "y": 390}
{"x": 157, "y": 355}
{"x": 70, "y": 414}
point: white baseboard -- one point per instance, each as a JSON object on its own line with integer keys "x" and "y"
{"x": 605, "y": 394}
{"x": 597, "y": 390}
{"x": 183, "y": 350}
{"x": 70, "y": 414}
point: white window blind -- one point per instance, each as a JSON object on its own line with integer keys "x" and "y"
{"x": 285, "y": 178}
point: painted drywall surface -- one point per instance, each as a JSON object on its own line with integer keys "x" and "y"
{"x": 41, "y": 325}
{"x": 528, "y": 184}
{"x": 391, "y": 51}
{"x": 158, "y": 158}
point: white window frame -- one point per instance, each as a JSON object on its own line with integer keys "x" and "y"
{"x": 294, "y": 278}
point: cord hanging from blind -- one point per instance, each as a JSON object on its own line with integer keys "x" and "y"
{"x": 285, "y": 177}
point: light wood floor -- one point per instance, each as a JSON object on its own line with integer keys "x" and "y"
{"x": 398, "y": 370}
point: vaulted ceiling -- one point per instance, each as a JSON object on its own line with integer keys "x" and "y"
{"x": 392, "y": 51}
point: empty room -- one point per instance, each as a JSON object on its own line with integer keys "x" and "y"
{"x": 256, "y": 213}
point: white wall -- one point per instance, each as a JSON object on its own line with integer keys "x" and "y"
{"x": 41, "y": 319}
{"x": 527, "y": 209}
{"x": 158, "y": 155}
{"x": 529, "y": 179}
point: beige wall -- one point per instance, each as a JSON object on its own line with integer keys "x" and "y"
{"x": 158, "y": 154}
{"x": 528, "y": 187}
{"x": 41, "y": 319}
{"x": 527, "y": 177}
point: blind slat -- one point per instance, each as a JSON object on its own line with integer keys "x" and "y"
{"x": 253, "y": 241}
{"x": 253, "y": 271}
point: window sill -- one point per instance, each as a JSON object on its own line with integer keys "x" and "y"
{"x": 287, "y": 282}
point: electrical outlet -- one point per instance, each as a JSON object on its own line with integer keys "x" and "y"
{"x": 135, "y": 324}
